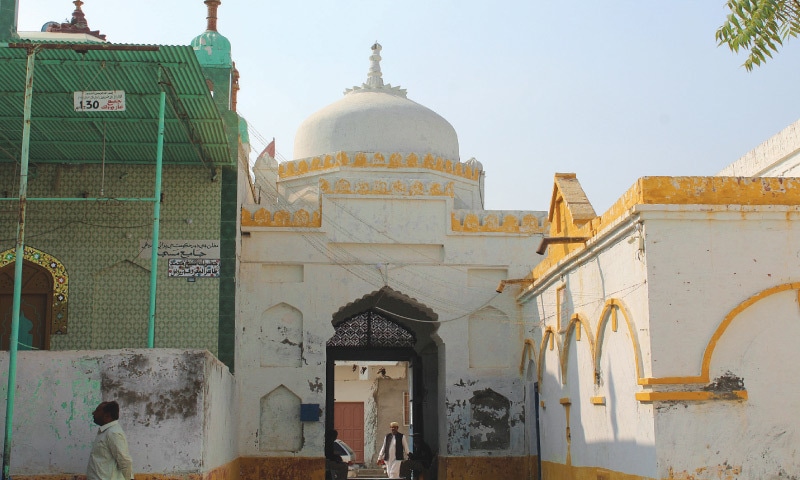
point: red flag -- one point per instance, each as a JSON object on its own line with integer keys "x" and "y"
{"x": 270, "y": 150}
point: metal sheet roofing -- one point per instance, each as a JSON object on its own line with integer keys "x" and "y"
{"x": 195, "y": 132}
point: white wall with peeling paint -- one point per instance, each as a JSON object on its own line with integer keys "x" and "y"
{"x": 165, "y": 398}
{"x": 699, "y": 283}
{"x": 619, "y": 434}
{"x": 364, "y": 243}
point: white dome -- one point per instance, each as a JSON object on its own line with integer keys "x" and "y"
{"x": 376, "y": 118}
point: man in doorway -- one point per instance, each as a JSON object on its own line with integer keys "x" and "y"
{"x": 109, "y": 459}
{"x": 393, "y": 451}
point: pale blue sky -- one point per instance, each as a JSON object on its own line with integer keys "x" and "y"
{"x": 611, "y": 91}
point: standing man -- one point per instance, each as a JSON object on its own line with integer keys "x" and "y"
{"x": 393, "y": 451}
{"x": 109, "y": 459}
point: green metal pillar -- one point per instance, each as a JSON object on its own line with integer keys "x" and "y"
{"x": 151, "y": 326}
{"x": 20, "y": 253}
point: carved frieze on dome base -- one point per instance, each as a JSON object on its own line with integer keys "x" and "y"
{"x": 340, "y": 160}
{"x": 385, "y": 186}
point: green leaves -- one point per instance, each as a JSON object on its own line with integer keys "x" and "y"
{"x": 759, "y": 26}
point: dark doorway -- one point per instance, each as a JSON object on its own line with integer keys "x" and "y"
{"x": 387, "y": 326}
{"x": 35, "y": 307}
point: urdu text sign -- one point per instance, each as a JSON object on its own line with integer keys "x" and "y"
{"x": 99, "y": 101}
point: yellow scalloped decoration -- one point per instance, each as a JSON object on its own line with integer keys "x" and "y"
{"x": 412, "y": 161}
{"x": 491, "y": 223}
{"x": 436, "y": 190}
{"x": 416, "y": 188}
{"x": 361, "y": 160}
{"x": 282, "y": 218}
{"x": 302, "y": 167}
{"x": 301, "y": 218}
{"x": 429, "y": 161}
{"x": 377, "y": 158}
{"x": 362, "y": 187}
{"x": 510, "y": 224}
{"x": 381, "y": 187}
{"x": 529, "y": 224}
{"x": 398, "y": 187}
{"x": 330, "y": 162}
{"x": 455, "y": 225}
{"x": 263, "y": 217}
{"x": 471, "y": 223}
{"x": 395, "y": 160}
{"x": 246, "y": 217}
{"x": 450, "y": 190}
{"x": 324, "y": 186}
{"x": 316, "y": 163}
{"x": 342, "y": 186}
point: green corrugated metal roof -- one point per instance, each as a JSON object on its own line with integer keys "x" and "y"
{"x": 194, "y": 129}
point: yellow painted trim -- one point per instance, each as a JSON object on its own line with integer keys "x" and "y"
{"x": 598, "y": 400}
{"x": 548, "y": 337}
{"x": 613, "y": 319}
{"x": 575, "y": 324}
{"x": 376, "y": 160}
{"x": 690, "y": 396}
{"x": 541, "y": 403}
{"x": 611, "y": 307}
{"x": 565, "y": 401}
{"x": 705, "y": 368}
{"x": 281, "y": 218}
{"x": 528, "y": 353}
{"x": 712, "y": 344}
{"x": 482, "y": 222}
{"x": 560, "y": 471}
{"x": 673, "y": 191}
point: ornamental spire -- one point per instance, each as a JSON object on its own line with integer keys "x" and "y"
{"x": 374, "y": 76}
{"x": 212, "y": 14}
{"x": 78, "y": 24}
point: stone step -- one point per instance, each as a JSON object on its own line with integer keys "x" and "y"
{"x": 370, "y": 473}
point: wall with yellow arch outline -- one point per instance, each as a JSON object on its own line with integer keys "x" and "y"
{"x": 60, "y": 282}
{"x": 610, "y": 318}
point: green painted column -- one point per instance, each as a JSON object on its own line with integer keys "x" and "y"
{"x": 151, "y": 324}
{"x": 20, "y": 253}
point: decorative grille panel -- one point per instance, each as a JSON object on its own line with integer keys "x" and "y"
{"x": 370, "y": 329}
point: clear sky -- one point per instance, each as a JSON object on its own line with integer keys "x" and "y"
{"x": 611, "y": 91}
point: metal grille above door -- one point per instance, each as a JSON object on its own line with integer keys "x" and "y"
{"x": 370, "y": 329}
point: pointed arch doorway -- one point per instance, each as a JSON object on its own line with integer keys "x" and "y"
{"x": 386, "y": 328}
{"x": 36, "y": 305}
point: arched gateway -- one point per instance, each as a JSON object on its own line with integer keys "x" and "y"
{"x": 388, "y": 326}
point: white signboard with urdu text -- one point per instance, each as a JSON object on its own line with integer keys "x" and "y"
{"x": 99, "y": 101}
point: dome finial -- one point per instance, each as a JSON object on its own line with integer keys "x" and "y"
{"x": 212, "y": 14}
{"x": 374, "y": 76}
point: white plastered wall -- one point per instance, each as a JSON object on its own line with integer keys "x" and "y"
{"x": 364, "y": 244}
{"x": 617, "y": 432}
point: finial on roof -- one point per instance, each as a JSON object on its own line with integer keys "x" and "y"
{"x": 78, "y": 24}
{"x": 78, "y": 17}
{"x": 212, "y": 14}
{"x": 375, "y": 77}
